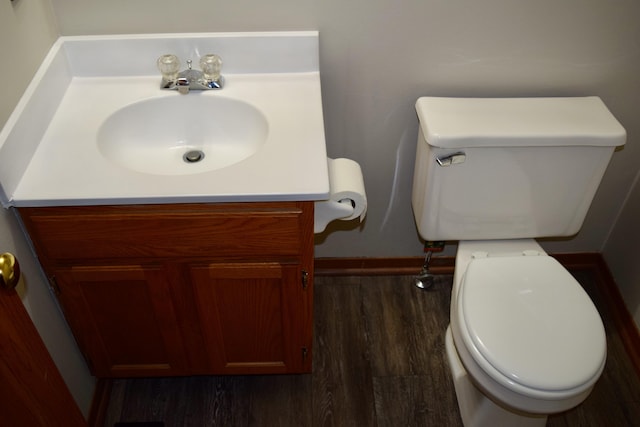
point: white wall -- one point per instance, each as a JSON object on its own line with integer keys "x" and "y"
{"x": 378, "y": 56}
{"x": 27, "y": 31}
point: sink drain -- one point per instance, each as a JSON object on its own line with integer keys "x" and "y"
{"x": 193, "y": 156}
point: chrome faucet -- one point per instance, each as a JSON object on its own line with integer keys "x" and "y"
{"x": 207, "y": 78}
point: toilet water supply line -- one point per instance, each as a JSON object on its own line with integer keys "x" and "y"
{"x": 424, "y": 280}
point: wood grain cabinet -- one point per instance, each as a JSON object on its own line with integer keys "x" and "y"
{"x": 182, "y": 289}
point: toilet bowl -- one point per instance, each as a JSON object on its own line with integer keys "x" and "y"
{"x": 524, "y": 340}
{"x": 524, "y": 332}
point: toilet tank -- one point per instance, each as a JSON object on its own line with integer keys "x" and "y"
{"x": 503, "y": 168}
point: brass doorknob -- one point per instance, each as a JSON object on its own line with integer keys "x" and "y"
{"x": 9, "y": 271}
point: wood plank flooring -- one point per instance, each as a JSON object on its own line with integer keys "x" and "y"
{"x": 378, "y": 360}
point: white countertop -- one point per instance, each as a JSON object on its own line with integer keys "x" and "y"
{"x": 48, "y": 150}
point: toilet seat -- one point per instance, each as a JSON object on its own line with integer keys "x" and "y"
{"x": 530, "y": 326}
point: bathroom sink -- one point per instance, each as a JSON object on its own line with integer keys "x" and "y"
{"x": 97, "y": 127}
{"x": 179, "y": 135}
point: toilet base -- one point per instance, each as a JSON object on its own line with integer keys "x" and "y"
{"x": 476, "y": 409}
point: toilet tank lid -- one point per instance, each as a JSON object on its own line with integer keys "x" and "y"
{"x": 513, "y": 122}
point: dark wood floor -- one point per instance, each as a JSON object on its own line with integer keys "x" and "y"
{"x": 378, "y": 360}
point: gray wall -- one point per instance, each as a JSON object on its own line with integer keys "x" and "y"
{"x": 622, "y": 252}
{"x": 27, "y": 31}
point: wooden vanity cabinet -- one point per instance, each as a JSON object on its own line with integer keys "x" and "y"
{"x": 182, "y": 289}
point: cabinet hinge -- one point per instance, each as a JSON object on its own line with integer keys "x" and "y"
{"x": 305, "y": 352}
{"x": 305, "y": 279}
{"x": 54, "y": 285}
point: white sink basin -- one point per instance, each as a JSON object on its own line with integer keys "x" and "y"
{"x": 182, "y": 134}
{"x": 94, "y": 126}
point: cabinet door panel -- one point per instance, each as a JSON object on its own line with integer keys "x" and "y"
{"x": 250, "y": 314}
{"x": 124, "y": 319}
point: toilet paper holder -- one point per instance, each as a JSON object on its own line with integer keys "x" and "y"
{"x": 347, "y": 196}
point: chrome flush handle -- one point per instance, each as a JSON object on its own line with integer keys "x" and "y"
{"x": 452, "y": 159}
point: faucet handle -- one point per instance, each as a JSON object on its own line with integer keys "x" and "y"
{"x": 169, "y": 66}
{"x": 211, "y": 66}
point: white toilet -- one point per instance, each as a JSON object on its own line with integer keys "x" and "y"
{"x": 524, "y": 340}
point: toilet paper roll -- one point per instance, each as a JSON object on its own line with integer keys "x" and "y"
{"x": 347, "y": 198}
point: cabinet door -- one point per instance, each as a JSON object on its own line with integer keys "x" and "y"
{"x": 123, "y": 318}
{"x": 251, "y": 315}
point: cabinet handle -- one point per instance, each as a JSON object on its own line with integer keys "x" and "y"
{"x": 9, "y": 271}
